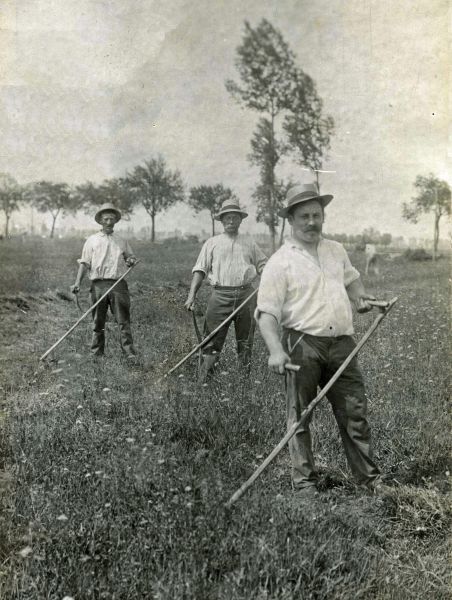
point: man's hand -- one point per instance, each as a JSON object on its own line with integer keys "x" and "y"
{"x": 190, "y": 303}
{"x": 131, "y": 261}
{"x": 361, "y": 305}
{"x": 75, "y": 288}
{"x": 277, "y": 360}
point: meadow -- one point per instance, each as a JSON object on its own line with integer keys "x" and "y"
{"x": 113, "y": 482}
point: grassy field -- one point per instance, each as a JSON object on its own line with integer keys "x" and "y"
{"x": 113, "y": 485}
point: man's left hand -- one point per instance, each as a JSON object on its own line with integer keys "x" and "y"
{"x": 362, "y": 306}
{"x": 131, "y": 261}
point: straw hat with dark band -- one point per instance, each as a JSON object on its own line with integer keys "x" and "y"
{"x": 303, "y": 193}
{"x": 230, "y": 206}
{"x": 107, "y": 208}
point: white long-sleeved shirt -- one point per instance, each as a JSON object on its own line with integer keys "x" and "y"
{"x": 230, "y": 261}
{"x": 105, "y": 255}
{"x": 306, "y": 296}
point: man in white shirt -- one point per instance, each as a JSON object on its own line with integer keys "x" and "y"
{"x": 306, "y": 288}
{"x": 105, "y": 257}
{"x": 230, "y": 261}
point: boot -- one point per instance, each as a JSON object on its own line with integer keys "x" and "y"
{"x": 208, "y": 364}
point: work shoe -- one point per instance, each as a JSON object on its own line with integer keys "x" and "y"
{"x": 207, "y": 367}
{"x": 308, "y": 492}
{"x": 377, "y": 487}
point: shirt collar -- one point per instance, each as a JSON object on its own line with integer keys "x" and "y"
{"x": 103, "y": 234}
{"x": 293, "y": 243}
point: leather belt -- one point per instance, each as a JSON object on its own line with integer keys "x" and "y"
{"x": 232, "y": 287}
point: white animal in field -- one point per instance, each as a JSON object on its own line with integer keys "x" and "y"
{"x": 371, "y": 259}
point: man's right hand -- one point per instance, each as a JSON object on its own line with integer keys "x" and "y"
{"x": 277, "y": 360}
{"x": 190, "y": 303}
{"x": 75, "y": 288}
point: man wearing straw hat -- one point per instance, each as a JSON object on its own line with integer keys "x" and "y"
{"x": 307, "y": 288}
{"x": 230, "y": 261}
{"x": 105, "y": 257}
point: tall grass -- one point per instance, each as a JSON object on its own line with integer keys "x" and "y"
{"x": 118, "y": 482}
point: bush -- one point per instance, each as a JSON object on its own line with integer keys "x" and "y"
{"x": 417, "y": 254}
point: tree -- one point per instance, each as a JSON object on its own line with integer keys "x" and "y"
{"x": 265, "y": 154}
{"x": 386, "y": 239}
{"x": 433, "y": 196}
{"x": 114, "y": 190}
{"x": 273, "y": 85}
{"x": 54, "y": 198}
{"x": 155, "y": 187}
{"x": 308, "y": 130}
{"x": 210, "y": 197}
{"x": 10, "y": 197}
{"x": 265, "y": 65}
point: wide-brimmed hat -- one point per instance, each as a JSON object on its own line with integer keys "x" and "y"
{"x": 303, "y": 193}
{"x": 230, "y": 206}
{"x": 107, "y": 207}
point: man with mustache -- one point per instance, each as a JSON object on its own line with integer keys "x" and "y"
{"x": 307, "y": 288}
{"x": 231, "y": 261}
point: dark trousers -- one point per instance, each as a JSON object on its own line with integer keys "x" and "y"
{"x": 221, "y": 304}
{"x": 119, "y": 302}
{"x": 319, "y": 358}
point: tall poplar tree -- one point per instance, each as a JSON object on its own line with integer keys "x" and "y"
{"x": 272, "y": 85}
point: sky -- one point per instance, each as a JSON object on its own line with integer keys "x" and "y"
{"x": 91, "y": 88}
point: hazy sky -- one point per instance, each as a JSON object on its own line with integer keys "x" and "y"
{"x": 90, "y": 88}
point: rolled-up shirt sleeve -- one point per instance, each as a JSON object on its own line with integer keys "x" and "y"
{"x": 128, "y": 252}
{"x": 350, "y": 273}
{"x": 87, "y": 254}
{"x": 204, "y": 261}
{"x": 272, "y": 290}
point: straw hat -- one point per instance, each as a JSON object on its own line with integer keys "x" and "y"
{"x": 107, "y": 207}
{"x": 230, "y": 206}
{"x": 303, "y": 193}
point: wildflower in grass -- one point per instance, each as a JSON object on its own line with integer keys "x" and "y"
{"x": 25, "y": 551}
{"x": 130, "y": 440}
{"x": 106, "y": 389}
{"x": 61, "y": 518}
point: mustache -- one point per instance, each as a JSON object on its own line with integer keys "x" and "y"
{"x": 312, "y": 228}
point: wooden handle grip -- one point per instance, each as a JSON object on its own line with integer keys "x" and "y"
{"x": 291, "y": 367}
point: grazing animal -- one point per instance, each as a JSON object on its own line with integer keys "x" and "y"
{"x": 372, "y": 259}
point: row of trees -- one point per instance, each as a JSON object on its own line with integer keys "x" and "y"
{"x": 151, "y": 185}
{"x": 155, "y": 187}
